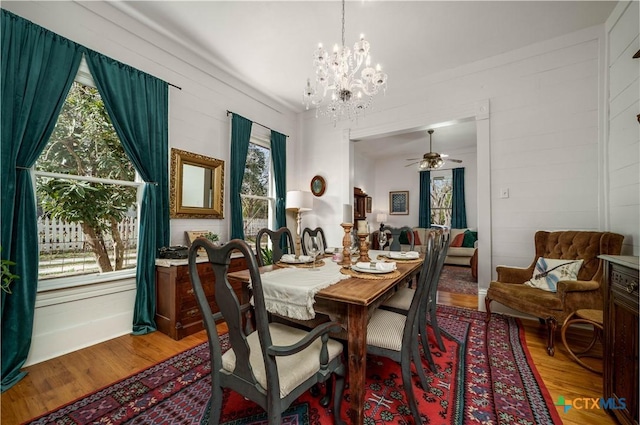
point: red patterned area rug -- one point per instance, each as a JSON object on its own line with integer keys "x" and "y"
{"x": 457, "y": 279}
{"x": 485, "y": 377}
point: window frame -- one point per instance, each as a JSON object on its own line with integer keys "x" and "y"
{"x": 448, "y": 176}
{"x": 264, "y": 142}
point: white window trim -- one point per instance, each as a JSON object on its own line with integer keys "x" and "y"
{"x": 45, "y": 285}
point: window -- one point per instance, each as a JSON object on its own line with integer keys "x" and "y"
{"x": 258, "y": 201}
{"x": 87, "y": 195}
{"x": 441, "y": 195}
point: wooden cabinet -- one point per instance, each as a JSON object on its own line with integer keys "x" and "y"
{"x": 359, "y": 204}
{"x": 177, "y": 313}
{"x": 621, "y": 337}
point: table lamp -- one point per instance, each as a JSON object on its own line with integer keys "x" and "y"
{"x": 299, "y": 201}
{"x": 381, "y": 218}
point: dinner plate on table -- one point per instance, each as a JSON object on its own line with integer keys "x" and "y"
{"x": 296, "y": 261}
{"x": 363, "y": 270}
{"x": 400, "y": 256}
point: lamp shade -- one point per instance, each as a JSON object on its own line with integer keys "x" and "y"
{"x": 299, "y": 200}
{"x": 381, "y": 218}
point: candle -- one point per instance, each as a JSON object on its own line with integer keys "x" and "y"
{"x": 363, "y": 226}
{"x": 347, "y": 213}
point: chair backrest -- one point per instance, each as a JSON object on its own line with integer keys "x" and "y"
{"x": 442, "y": 242}
{"x": 231, "y": 312}
{"x": 281, "y": 243}
{"x": 423, "y": 288}
{"x": 306, "y": 239}
{"x": 576, "y": 245}
{"x": 395, "y": 235}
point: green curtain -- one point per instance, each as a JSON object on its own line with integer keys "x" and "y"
{"x": 424, "y": 214}
{"x": 142, "y": 126}
{"x": 279, "y": 158}
{"x": 38, "y": 68}
{"x": 458, "y": 209}
{"x": 240, "y": 136}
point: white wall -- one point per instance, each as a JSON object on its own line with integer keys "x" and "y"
{"x": 66, "y": 320}
{"x": 545, "y": 141}
{"x": 623, "y": 136}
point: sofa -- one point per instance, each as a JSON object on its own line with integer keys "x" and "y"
{"x": 461, "y": 255}
{"x": 457, "y": 255}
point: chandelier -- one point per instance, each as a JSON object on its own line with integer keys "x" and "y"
{"x": 338, "y": 77}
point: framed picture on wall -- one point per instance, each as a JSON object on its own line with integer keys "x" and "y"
{"x": 368, "y": 207}
{"x": 399, "y": 202}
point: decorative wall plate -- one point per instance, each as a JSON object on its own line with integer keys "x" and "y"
{"x": 318, "y": 185}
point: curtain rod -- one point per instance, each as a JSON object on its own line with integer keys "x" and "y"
{"x": 261, "y": 125}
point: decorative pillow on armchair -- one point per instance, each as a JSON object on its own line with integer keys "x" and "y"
{"x": 548, "y": 272}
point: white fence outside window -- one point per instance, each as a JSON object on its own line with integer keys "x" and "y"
{"x": 64, "y": 251}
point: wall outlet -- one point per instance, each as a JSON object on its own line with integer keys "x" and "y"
{"x": 504, "y": 192}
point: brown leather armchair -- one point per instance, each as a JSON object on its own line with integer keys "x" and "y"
{"x": 555, "y": 307}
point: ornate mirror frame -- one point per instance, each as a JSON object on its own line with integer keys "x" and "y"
{"x": 211, "y": 187}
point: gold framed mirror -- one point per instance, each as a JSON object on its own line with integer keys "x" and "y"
{"x": 197, "y": 185}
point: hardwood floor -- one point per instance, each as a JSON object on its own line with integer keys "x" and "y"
{"x": 64, "y": 379}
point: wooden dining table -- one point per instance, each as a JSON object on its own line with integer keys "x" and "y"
{"x": 351, "y": 302}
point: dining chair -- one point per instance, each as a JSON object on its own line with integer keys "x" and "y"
{"x": 272, "y": 365}
{"x": 281, "y": 243}
{"x": 395, "y": 233}
{"x": 395, "y": 335}
{"x": 307, "y": 233}
{"x": 400, "y": 301}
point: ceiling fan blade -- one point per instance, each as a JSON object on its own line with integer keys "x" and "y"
{"x": 413, "y": 159}
{"x": 413, "y": 163}
{"x": 454, "y": 160}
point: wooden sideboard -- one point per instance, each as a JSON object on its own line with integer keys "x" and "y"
{"x": 620, "y": 376}
{"x": 177, "y": 313}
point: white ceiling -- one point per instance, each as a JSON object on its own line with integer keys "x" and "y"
{"x": 269, "y": 44}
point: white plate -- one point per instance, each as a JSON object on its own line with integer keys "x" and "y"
{"x": 296, "y": 261}
{"x": 358, "y": 269}
{"x": 400, "y": 256}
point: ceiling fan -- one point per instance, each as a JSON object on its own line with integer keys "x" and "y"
{"x": 431, "y": 160}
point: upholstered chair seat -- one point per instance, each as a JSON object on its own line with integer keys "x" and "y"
{"x": 293, "y": 370}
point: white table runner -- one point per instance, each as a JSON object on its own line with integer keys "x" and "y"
{"x": 291, "y": 292}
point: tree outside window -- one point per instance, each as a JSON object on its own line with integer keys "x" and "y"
{"x": 257, "y": 184}
{"x": 441, "y": 197}
{"x": 87, "y": 193}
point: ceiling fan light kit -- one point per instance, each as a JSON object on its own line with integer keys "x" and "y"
{"x": 349, "y": 93}
{"x": 431, "y": 160}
